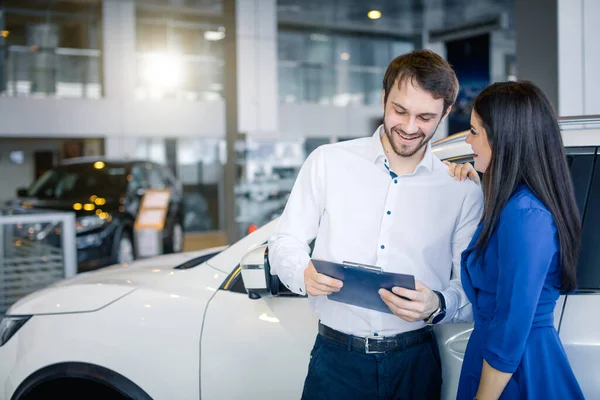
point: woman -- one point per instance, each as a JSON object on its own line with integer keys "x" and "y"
{"x": 523, "y": 252}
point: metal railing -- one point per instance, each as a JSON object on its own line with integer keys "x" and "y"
{"x": 36, "y": 250}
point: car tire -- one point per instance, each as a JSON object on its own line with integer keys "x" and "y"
{"x": 125, "y": 249}
{"x": 175, "y": 240}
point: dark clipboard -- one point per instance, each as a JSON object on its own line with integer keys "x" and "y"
{"x": 362, "y": 283}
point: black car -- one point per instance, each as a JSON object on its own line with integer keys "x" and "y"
{"x": 105, "y": 196}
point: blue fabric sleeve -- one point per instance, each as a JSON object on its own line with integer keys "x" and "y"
{"x": 527, "y": 244}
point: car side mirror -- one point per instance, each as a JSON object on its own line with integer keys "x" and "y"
{"x": 22, "y": 192}
{"x": 256, "y": 274}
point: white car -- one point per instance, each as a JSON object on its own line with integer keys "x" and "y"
{"x": 194, "y": 325}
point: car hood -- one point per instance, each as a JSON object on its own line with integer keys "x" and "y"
{"x": 91, "y": 291}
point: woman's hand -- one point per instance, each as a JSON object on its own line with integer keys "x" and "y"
{"x": 460, "y": 172}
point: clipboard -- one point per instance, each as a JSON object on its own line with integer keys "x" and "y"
{"x": 362, "y": 283}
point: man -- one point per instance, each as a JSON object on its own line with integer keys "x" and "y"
{"x": 387, "y": 201}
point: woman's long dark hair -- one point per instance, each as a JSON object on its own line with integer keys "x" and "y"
{"x": 523, "y": 132}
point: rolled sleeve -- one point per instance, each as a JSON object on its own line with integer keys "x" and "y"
{"x": 527, "y": 246}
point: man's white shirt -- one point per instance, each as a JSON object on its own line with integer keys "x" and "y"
{"x": 346, "y": 197}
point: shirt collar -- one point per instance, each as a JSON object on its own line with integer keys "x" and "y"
{"x": 379, "y": 155}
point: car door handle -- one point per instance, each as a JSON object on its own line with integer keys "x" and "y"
{"x": 457, "y": 344}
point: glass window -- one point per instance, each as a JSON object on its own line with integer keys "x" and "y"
{"x": 155, "y": 177}
{"x": 79, "y": 180}
{"x": 588, "y": 269}
{"x": 138, "y": 178}
{"x": 205, "y": 6}
{"x": 581, "y": 163}
{"x": 325, "y": 68}
{"x": 51, "y": 48}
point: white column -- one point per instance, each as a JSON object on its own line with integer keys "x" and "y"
{"x": 571, "y": 74}
{"x": 438, "y": 48}
{"x": 434, "y": 17}
{"x": 591, "y": 56}
{"x": 118, "y": 33}
{"x": 560, "y": 52}
{"x": 257, "y": 66}
{"x": 578, "y": 57}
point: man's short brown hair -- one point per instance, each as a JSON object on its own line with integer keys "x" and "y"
{"x": 426, "y": 69}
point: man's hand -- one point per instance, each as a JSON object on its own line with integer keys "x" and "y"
{"x": 423, "y": 302}
{"x": 318, "y": 284}
{"x": 460, "y": 172}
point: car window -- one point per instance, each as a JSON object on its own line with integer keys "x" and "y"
{"x": 588, "y": 269}
{"x": 168, "y": 177}
{"x": 155, "y": 178}
{"x": 138, "y": 178}
{"x": 75, "y": 181}
{"x": 581, "y": 163}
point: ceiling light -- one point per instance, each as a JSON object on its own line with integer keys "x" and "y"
{"x": 214, "y": 36}
{"x": 163, "y": 72}
{"x": 345, "y": 56}
{"x": 374, "y": 14}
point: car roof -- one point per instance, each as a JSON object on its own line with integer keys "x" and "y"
{"x": 576, "y": 132}
{"x": 107, "y": 160}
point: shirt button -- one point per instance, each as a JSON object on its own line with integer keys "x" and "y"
{"x": 389, "y": 212}
{"x": 382, "y": 247}
{"x": 395, "y": 180}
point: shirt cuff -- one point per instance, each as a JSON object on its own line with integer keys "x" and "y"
{"x": 451, "y": 305}
{"x": 295, "y": 281}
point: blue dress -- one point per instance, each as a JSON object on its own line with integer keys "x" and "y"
{"x": 513, "y": 292}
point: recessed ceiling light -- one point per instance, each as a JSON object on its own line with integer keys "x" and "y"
{"x": 374, "y": 14}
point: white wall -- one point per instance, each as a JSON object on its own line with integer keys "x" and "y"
{"x": 313, "y": 120}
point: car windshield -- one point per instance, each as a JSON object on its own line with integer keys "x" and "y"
{"x": 82, "y": 180}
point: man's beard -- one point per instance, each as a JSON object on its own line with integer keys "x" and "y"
{"x": 407, "y": 150}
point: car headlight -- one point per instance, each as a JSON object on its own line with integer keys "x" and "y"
{"x": 9, "y": 325}
{"x": 89, "y": 222}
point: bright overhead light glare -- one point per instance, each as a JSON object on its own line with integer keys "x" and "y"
{"x": 374, "y": 14}
{"x": 214, "y": 36}
{"x": 345, "y": 56}
{"x": 163, "y": 71}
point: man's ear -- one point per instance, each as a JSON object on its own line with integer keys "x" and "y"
{"x": 446, "y": 114}
{"x": 383, "y": 99}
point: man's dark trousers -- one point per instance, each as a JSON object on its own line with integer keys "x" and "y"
{"x": 338, "y": 371}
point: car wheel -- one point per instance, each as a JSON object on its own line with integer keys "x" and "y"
{"x": 125, "y": 253}
{"x": 175, "y": 243}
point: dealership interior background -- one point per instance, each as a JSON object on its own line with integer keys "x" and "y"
{"x": 230, "y": 97}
